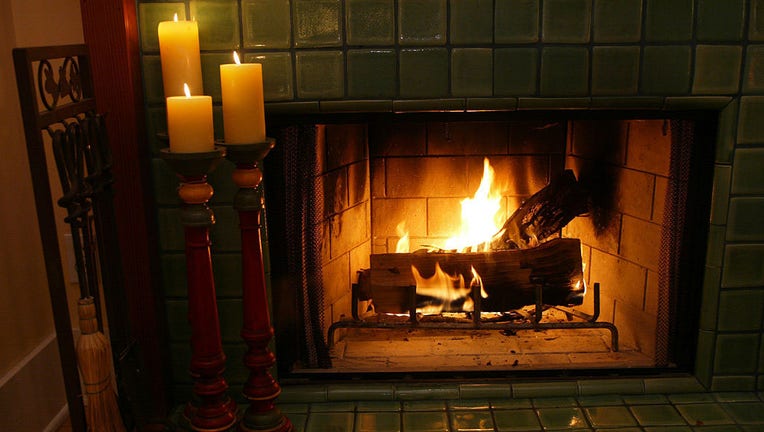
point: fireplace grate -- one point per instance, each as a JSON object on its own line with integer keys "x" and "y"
{"x": 477, "y": 322}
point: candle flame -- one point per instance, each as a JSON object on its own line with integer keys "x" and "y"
{"x": 186, "y": 90}
{"x": 175, "y": 18}
{"x": 236, "y": 58}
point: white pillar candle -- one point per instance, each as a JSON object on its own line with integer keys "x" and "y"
{"x": 243, "y": 105}
{"x": 179, "y": 52}
{"x": 189, "y": 123}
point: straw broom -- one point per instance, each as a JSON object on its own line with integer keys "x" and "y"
{"x": 93, "y": 353}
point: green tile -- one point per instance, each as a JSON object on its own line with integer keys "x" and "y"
{"x": 171, "y": 237}
{"x": 491, "y": 104}
{"x": 750, "y": 129}
{"x": 423, "y": 72}
{"x": 709, "y": 311}
{"x": 488, "y": 391}
{"x": 515, "y": 71}
{"x": 149, "y": 17}
{"x": 717, "y": 69}
{"x": 609, "y": 416}
{"x": 564, "y": 71}
{"x": 372, "y": 73}
{"x": 211, "y": 73}
{"x": 153, "y": 88}
{"x": 472, "y": 72}
{"x": 672, "y": 385}
{"x": 224, "y": 234}
{"x": 218, "y": 23}
{"x": 320, "y": 74}
{"x": 471, "y": 22}
{"x": 645, "y": 399}
{"x": 424, "y": 405}
{"x": 429, "y": 105}
{"x": 682, "y": 103}
{"x": 666, "y": 70}
{"x": 422, "y": 22}
{"x": 656, "y": 415}
{"x": 720, "y": 194}
{"x": 377, "y": 421}
{"x": 298, "y": 421}
{"x": 277, "y": 74}
{"x": 468, "y": 404}
{"x": 633, "y": 102}
{"x": 174, "y": 275}
{"x": 615, "y": 70}
{"x": 566, "y": 21}
{"x": 727, "y": 132}
{"x": 368, "y": 392}
{"x": 333, "y": 407}
{"x": 370, "y": 22}
{"x": 516, "y": 420}
{"x": 754, "y": 70}
{"x": 611, "y": 386}
{"x": 178, "y": 329}
{"x": 600, "y": 400}
{"x": 668, "y": 20}
{"x": 364, "y": 106}
{"x": 472, "y": 420}
{"x": 747, "y": 172}
{"x": 380, "y": 406}
{"x": 745, "y": 217}
{"x": 731, "y": 303}
{"x": 743, "y": 265}
{"x": 513, "y": 403}
{"x": 668, "y": 429}
{"x": 156, "y": 122}
{"x": 734, "y": 355}
{"x": 317, "y": 23}
{"x": 745, "y": 382}
{"x": 562, "y": 418}
{"x": 293, "y": 408}
{"x": 411, "y": 392}
{"x": 302, "y": 394}
{"x": 516, "y": 21}
{"x": 555, "y": 402}
{"x": 227, "y": 271}
{"x": 746, "y": 413}
{"x": 266, "y": 23}
{"x": 704, "y": 354}
{"x": 720, "y": 20}
{"x": 224, "y": 188}
{"x": 691, "y": 398}
{"x": 165, "y": 183}
{"x": 553, "y": 103}
{"x": 425, "y": 422}
{"x": 334, "y": 421}
{"x": 617, "y": 21}
{"x": 544, "y": 389}
{"x": 756, "y": 26}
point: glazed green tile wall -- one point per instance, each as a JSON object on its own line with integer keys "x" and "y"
{"x": 323, "y": 56}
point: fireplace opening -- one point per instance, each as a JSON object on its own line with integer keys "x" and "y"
{"x": 591, "y": 233}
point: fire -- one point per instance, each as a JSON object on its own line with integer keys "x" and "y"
{"x": 444, "y": 292}
{"x": 403, "y": 241}
{"x": 478, "y": 216}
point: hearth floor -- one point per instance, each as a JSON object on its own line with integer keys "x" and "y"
{"x": 683, "y": 412}
{"x": 428, "y": 350}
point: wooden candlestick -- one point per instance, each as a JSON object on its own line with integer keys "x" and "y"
{"x": 260, "y": 389}
{"x": 212, "y": 409}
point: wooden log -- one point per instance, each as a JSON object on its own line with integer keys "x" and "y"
{"x": 509, "y": 277}
{"x": 544, "y": 214}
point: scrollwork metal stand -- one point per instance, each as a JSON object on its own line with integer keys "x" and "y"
{"x": 212, "y": 409}
{"x": 260, "y": 389}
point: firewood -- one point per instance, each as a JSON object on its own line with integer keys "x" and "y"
{"x": 544, "y": 214}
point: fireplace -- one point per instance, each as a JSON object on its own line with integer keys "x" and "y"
{"x": 343, "y": 190}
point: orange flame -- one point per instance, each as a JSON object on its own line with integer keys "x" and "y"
{"x": 447, "y": 289}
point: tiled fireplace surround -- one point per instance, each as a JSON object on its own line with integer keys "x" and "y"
{"x": 323, "y": 57}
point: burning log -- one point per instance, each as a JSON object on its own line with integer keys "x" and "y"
{"x": 545, "y": 213}
{"x": 509, "y": 277}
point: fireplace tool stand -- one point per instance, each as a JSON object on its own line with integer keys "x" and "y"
{"x": 536, "y": 323}
{"x": 260, "y": 389}
{"x": 212, "y": 409}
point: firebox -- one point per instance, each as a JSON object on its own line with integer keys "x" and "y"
{"x": 488, "y": 243}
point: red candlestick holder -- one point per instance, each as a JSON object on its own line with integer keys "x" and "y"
{"x": 212, "y": 409}
{"x": 260, "y": 389}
